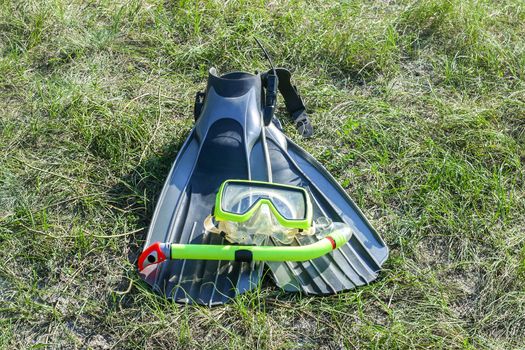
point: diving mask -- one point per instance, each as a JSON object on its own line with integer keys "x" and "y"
{"x": 249, "y": 212}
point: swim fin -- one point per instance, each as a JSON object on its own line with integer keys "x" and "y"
{"x": 235, "y": 138}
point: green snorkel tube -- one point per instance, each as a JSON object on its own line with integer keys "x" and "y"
{"x": 159, "y": 252}
{"x": 239, "y": 201}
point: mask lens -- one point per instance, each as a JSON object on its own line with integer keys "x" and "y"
{"x": 240, "y": 197}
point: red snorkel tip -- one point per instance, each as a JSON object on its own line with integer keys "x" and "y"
{"x": 152, "y": 255}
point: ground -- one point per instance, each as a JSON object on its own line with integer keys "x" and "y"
{"x": 419, "y": 112}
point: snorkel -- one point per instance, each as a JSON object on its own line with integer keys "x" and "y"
{"x": 339, "y": 234}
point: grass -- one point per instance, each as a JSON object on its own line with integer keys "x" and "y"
{"x": 419, "y": 110}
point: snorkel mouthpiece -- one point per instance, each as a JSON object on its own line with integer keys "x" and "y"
{"x": 154, "y": 254}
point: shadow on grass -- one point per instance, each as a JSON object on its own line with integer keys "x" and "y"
{"x": 138, "y": 191}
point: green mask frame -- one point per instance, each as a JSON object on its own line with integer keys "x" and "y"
{"x": 239, "y": 200}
